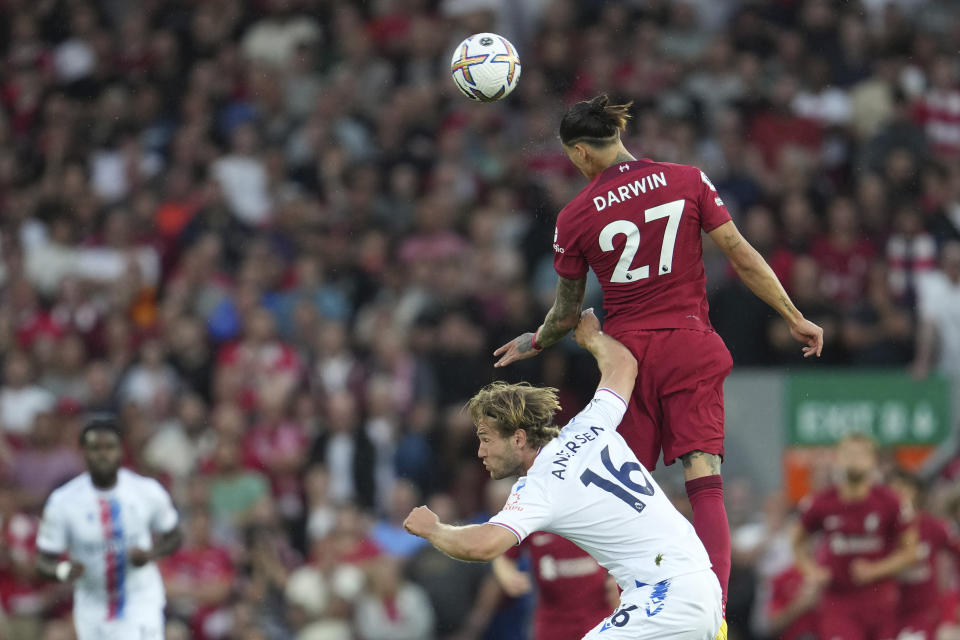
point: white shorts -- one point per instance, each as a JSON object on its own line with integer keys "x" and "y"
{"x": 134, "y": 628}
{"x": 685, "y": 607}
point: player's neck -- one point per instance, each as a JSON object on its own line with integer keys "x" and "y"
{"x": 529, "y": 458}
{"x": 618, "y": 155}
{"x": 104, "y": 483}
{"x": 853, "y": 492}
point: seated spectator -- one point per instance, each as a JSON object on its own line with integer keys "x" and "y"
{"x": 843, "y": 255}
{"x": 345, "y": 450}
{"x": 393, "y": 608}
{"x": 238, "y": 496}
{"x": 20, "y": 398}
{"x": 879, "y": 331}
{"x": 388, "y": 532}
{"x": 199, "y": 578}
{"x": 938, "y": 302}
{"x": 49, "y": 459}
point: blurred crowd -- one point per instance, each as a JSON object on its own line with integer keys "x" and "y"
{"x": 274, "y": 239}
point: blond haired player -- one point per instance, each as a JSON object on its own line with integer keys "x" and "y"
{"x": 584, "y": 483}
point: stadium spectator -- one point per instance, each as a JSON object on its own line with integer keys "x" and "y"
{"x": 938, "y": 304}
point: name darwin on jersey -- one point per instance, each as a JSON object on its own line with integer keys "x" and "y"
{"x": 564, "y": 456}
{"x": 627, "y": 191}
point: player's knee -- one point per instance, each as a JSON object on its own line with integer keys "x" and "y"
{"x": 699, "y": 464}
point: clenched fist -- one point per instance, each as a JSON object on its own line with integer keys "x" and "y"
{"x": 421, "y": 522}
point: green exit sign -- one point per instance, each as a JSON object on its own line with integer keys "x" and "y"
{"x": 890, "y": 406}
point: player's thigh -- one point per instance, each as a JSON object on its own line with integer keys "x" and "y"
{"x": 691, "y": 393}
{"x": 682, "y": 608}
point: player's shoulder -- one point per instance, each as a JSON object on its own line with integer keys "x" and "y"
{"x": 71, "y": 490}
{"x": 129, "y": 479}
{"x": 825, "y": 497}
{"x": 882, "y": 494}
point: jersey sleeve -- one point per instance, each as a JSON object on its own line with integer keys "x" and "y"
{"x": 605, "y": 410}
{"x": 811, "y": 514}
{"x": 713, "y": 212}
{"x": 53, "y": 536}
{"x": 568, "y": 259}
{"x": 527, "y": 510}
{"x": 163, "y": 516}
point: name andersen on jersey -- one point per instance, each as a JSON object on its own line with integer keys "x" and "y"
{"x": 570, "y": 449}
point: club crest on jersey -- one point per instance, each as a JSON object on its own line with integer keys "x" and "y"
{"x": 630, "y": 190}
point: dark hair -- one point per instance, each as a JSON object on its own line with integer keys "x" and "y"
{"x": 594, "y": 121}
{"x": 106, "y": 423}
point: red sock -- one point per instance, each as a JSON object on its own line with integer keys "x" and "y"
{"x": 710, "y": 522}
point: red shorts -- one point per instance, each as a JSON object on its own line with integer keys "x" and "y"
{"x": 677, "y": 402}
{"x": 869, "y": 613}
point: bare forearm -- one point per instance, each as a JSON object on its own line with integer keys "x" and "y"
{"x": 763, "y": 282}
{"x": 167, "y": 543}
{"x": 461, "y": 543}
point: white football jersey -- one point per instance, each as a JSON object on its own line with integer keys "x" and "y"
{"x": 97, "y": 528}
{"x": 587, "y": 486}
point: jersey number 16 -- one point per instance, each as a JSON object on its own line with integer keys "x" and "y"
{"x": 672, "y": 211}
{"x": 622, "y": 474}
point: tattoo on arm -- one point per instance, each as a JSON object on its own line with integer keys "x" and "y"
{"x": 564, "y": 314}
{"x": 712, "y": 460}
{"x": 525, "y": 343}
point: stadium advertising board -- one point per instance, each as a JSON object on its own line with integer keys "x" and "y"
{"x": 890, "y": 406}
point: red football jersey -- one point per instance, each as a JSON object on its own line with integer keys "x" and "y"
{"x": 868, "y": 529}
{"x": 919, "y": 589}
{"x": 785, "y": 587}
{"x": 571, "y": 586}
{"x": 638, "y": 226}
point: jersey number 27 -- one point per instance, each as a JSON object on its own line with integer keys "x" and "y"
{"x": 672, "y": 211}
{"x": 620, "y": 490}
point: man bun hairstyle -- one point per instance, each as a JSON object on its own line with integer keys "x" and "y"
{"x": 100, "y": 422}
{"x": 509, "y": 407}
{"x": 594, "y": 121}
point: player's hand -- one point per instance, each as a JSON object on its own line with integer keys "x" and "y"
{"x": 862, "y": 572}
{"x": 76, "y": 571}
{"x": 139, "y": 557}
{"x": 817, "y": 575}
{"x": 587, "y": 328}
{"x": 520, "y": 348}
{"x": 421, "y": 522}
{"x": 811, "y": 335}
{"x": 516, "y": 584}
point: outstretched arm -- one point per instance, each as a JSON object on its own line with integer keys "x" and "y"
{"x": 763, "y": 282}
{"x": 562, "y": 317}
{"x": 618, "y": 367}
{"x": 472, "y": 543}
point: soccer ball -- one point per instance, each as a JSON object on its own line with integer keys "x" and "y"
{"x": 485, "y": 67}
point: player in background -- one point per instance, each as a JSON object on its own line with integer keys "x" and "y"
{"x": 867, "y": 537}
{"x": 921, "y": 600}
{"x": 584, "y": 483}
{"x": 638, "y": 225}
{"x": 111, "y": 524}
{"x": 573, "y": 591}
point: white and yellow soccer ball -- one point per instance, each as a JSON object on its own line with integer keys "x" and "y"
{"x": 485, "y": 67}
